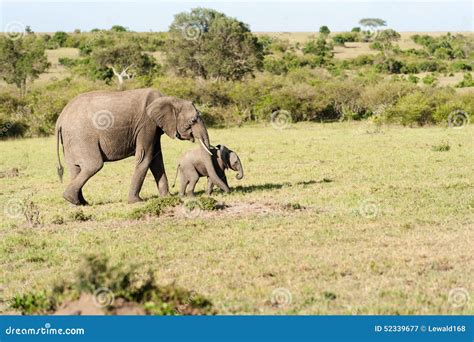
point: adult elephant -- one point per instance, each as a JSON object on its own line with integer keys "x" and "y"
{"x": 97, "y": 127}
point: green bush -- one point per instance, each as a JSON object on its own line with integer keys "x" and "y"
{"x": 430, "y": 79}
{"x": 363, "y": 60}
{"x": 443, "y": 147}
{"x": 467, "y": 81}
{"x": 461, "y": 66}
{"x": 428, "y": 106}
{"x": 79, "y": 216}
{"x": 413, "y": 108}
{"x": 155, "y": 207}
{"x": 346, "y": 37}
{"x": 32, "y": 303}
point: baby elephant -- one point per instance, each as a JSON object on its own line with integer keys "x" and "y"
{"x": 192, "y": 167}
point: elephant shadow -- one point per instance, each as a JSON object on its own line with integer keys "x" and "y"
{"x": 245, "y": 189}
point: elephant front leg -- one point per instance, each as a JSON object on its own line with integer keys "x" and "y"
{"x": 143, "y": 163}
{"x": 157, "y": 167}
{"x": 210, "y": 185}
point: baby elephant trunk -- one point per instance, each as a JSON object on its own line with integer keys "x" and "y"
{"x": 240, "y": 170}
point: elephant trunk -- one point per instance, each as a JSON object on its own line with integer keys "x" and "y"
{"x": 200, "y": 132}
{"x": 240, "y": 171}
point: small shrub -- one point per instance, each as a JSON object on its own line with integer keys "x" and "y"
{"x": 413, "y": 108}
{"x": 430, "y": 79}
{"x": 467, "y": 81}
{"x": 57, "y": 219}
{"x": 345, "y": 37}
{"x": 32, "y": 303}
{"x": 461, "y": 66}
{"x": 207, "y": 203}
{"x": 413, "y": 79}
{"x": 443, "y": 147}
{"x": 80, "y": 216}
{"x": 155, "y": 207}
{"x": 32, "y": 213}
{"x": 293, "y": 206}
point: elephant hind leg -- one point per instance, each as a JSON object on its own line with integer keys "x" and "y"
{"x": 73, "y": 192}
{"x": 74, "y": 170}
{"x": 192, "y": 185}
{"x": 183, "y": 184}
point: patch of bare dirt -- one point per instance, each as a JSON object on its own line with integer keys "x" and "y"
{"x": 85, "y": 305}
{"x": 236, "y": 209}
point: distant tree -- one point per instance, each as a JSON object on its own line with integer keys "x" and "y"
{"x": 77, "y": 31}
{"x": 386, "y": 37}
{"x": 372, "y": 23}
{"x": 58, "y": 39}
{"x": 125, "y": 61}
{"x": 208, "y": 44}
{"x": 355, "y": 29}
{"x": 118, "y": 28}
{"x": 28, "y": 29}
{"x": 22, "y": 60}
{"x": 324, "y": 30}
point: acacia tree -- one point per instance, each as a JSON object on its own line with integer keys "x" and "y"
{"x": 372, "y": 24}
{"x": 22, "y": 60}
{"x": 208, "y": 44}
{"x": 125, "y": 61}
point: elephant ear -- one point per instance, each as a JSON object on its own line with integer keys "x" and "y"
{"x": 163, "y": 112}
{"x": 225, "y": 155}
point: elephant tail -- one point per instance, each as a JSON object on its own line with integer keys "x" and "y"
{"x": 175, "y": 176}
{"x": 59, "y": 168}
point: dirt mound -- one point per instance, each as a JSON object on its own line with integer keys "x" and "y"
{"x": 86, "y": 305}
{"x": 235, "y": 209}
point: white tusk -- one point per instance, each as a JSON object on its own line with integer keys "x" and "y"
{"x": 205, "y": 147}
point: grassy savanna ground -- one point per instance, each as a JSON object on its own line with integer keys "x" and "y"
{"x": 387, "y": 224}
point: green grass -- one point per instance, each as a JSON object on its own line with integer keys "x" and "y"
{"x": 348, "y": 218}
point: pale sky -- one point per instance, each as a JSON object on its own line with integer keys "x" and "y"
{"x": 263, "y": 15}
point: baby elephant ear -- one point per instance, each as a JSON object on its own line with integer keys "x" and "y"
{"x": 225, "y": 155}
{"x": 163, "y": 113}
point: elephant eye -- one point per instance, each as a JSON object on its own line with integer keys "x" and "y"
{"x": 192, "y": 121}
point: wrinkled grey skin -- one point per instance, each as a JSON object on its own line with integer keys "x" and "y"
{"x": 97, "y": 127}
{"x": 193, "y": 166}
